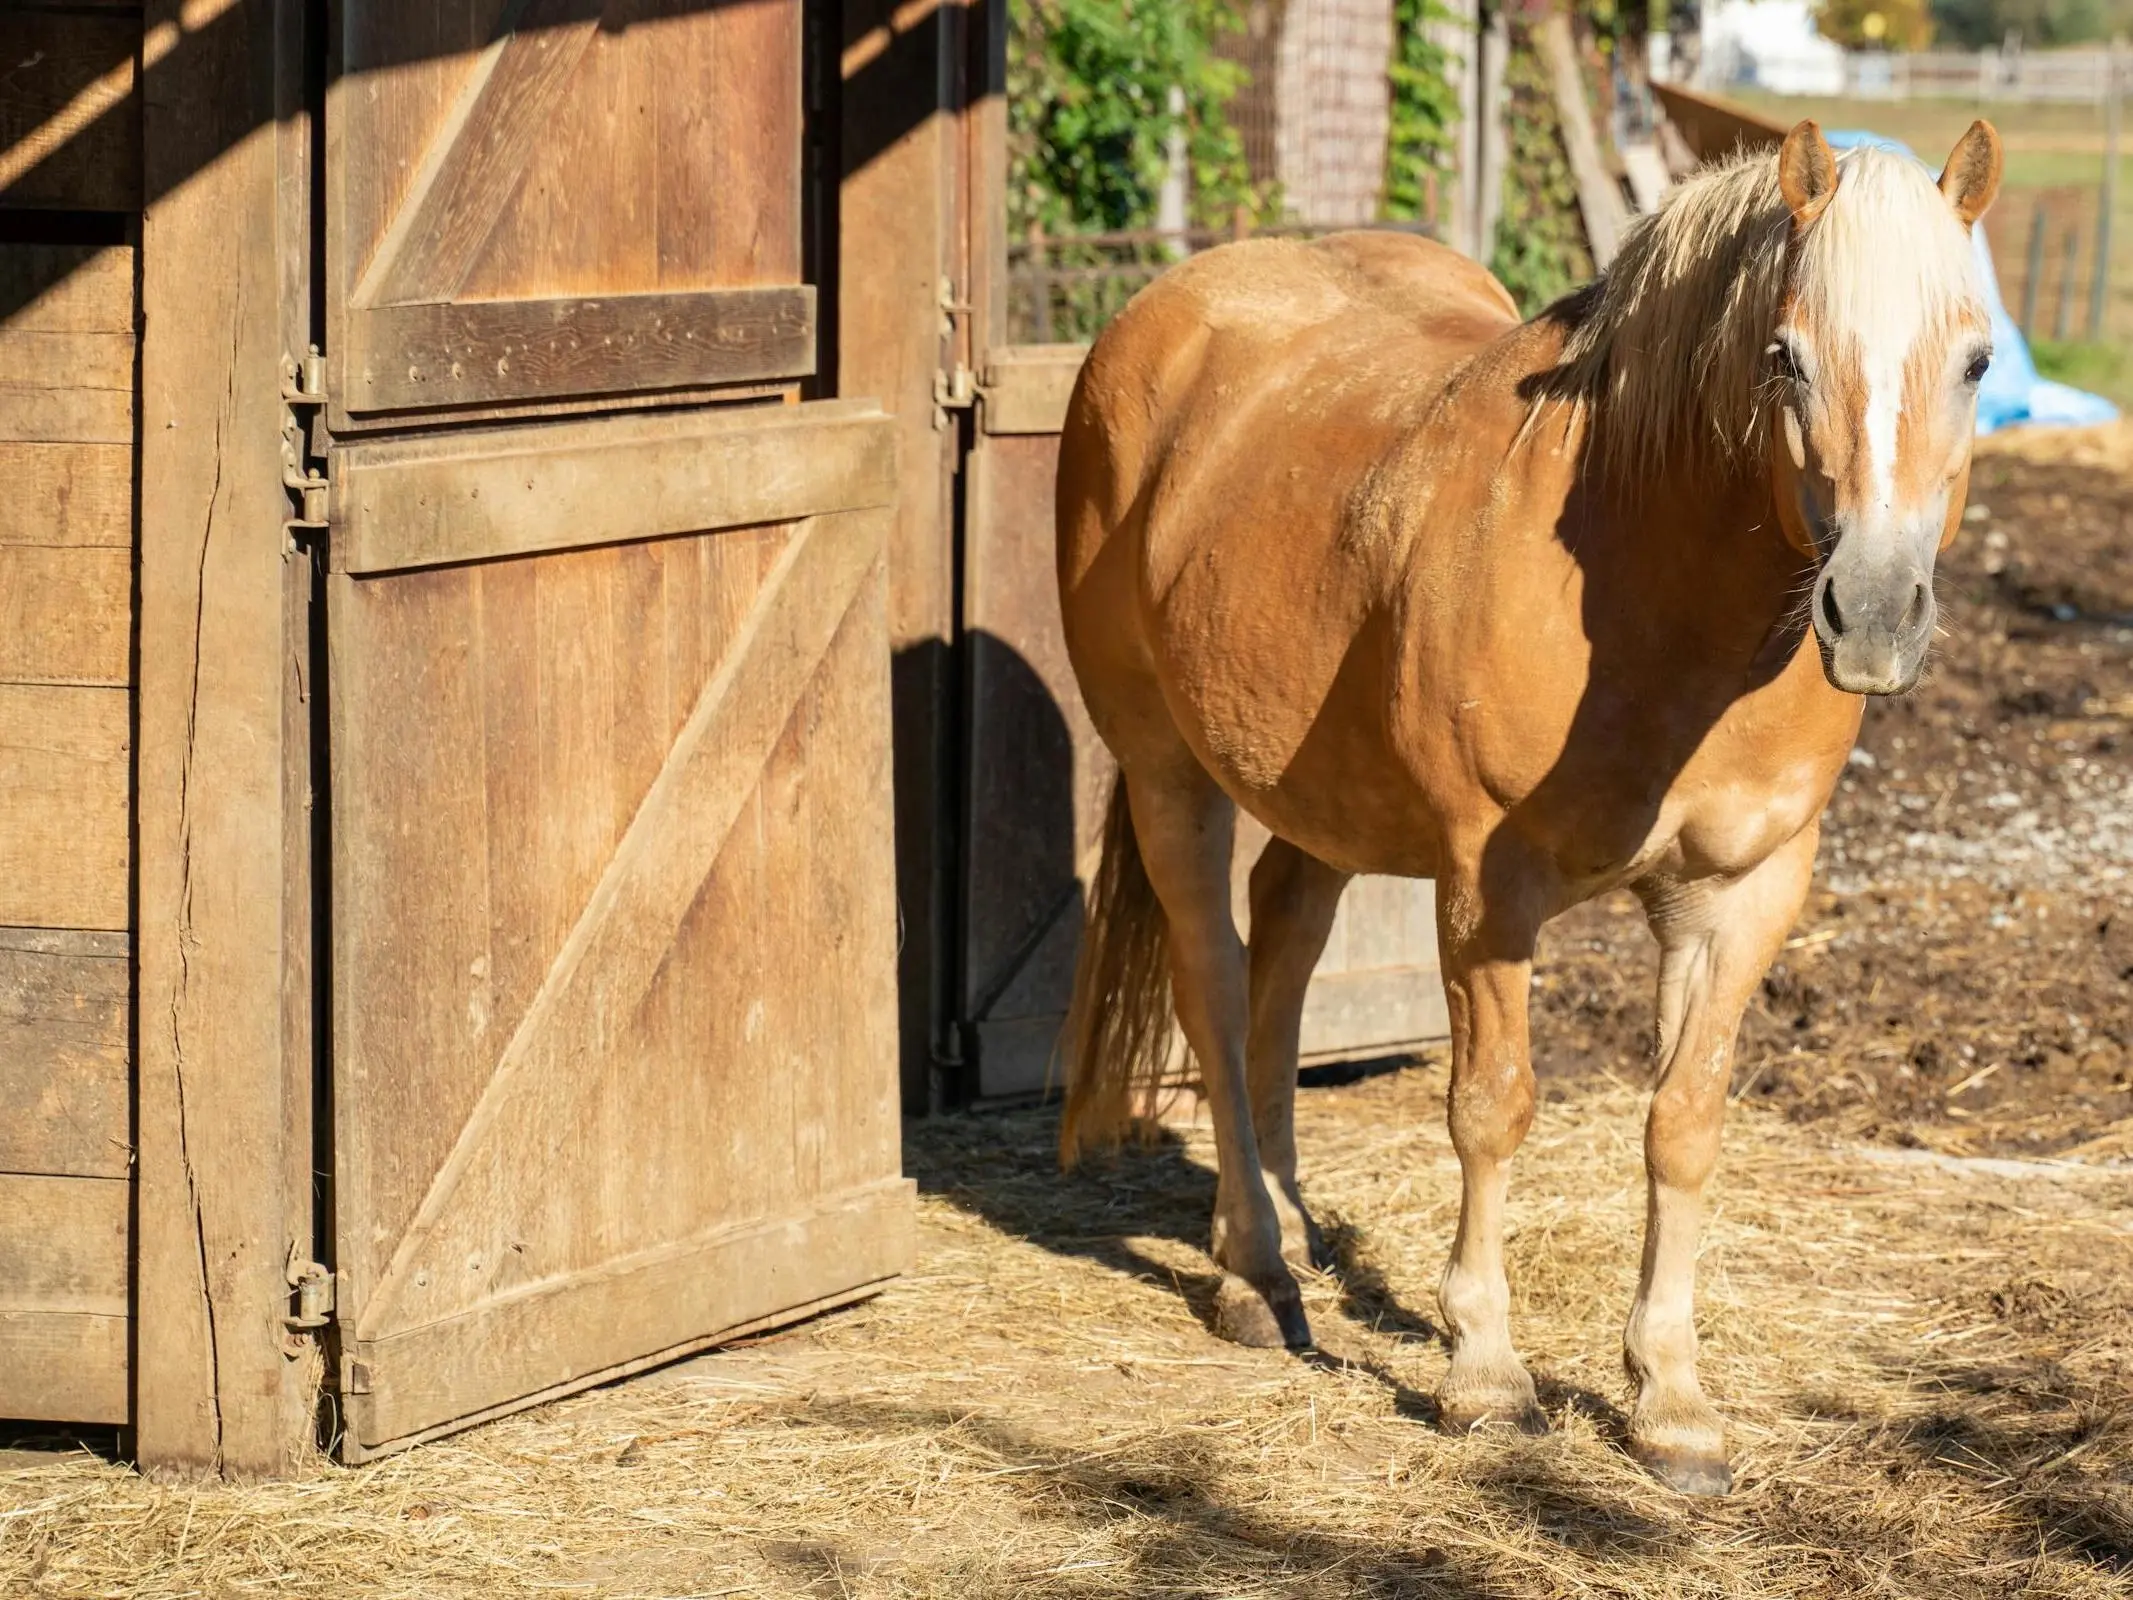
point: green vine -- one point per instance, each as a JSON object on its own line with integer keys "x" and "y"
{"x": 1090, "y": 113}
{"x": 1425, "y": 110}
{"x": 1540, "y": 250}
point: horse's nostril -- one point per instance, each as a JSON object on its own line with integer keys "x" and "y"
{"x": 1915, "y": 612}
{"x": 1832, "y": 618}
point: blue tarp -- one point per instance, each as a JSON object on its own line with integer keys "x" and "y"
{"x": 2013, "y": 391}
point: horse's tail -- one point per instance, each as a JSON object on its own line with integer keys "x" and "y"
{"x": 1119, "y": 1029}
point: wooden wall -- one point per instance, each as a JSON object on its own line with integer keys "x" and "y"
{"x": 66, "y": 714}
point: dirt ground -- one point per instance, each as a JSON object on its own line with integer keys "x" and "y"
{"x": 1963, "y": 979}
{"x": 1916, "y": 1289}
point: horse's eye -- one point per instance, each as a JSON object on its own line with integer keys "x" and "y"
{"x": 1785, "y": 361}
{"x": 1974, "y": 374}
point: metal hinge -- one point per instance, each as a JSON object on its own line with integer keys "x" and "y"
{"x": 303, "y": 389}
{"x": 957, "y": 388}
{"x": 311, "y": 1306}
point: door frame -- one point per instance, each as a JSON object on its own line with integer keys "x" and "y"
{"x": 224, "y": 1050}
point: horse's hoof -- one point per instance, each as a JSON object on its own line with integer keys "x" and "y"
{"x": 1262, "y": 1322}
{"x": 1686, "y": 1472}
{"x": 1462, "y": 1417}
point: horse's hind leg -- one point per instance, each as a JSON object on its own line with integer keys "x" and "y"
{"x": 1185, "y": 825}
{"x": 1716, "y": 941}
{"x": 1294, "y": 898}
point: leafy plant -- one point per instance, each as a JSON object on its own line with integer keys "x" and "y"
{"x": 1425, "y": 110}
{"x": 1540, "y": 251}
{"x": 1091, "y": 113}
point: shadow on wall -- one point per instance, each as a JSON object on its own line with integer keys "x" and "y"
{"x": 222, "y": 47}
{"x": 990, "y": 905}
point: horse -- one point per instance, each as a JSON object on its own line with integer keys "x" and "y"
{"x": 1536, "y": 610}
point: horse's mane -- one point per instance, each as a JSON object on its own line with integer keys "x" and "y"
{"x": 1665, "y": 353}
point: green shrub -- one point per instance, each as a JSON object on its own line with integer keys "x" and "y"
{"x": 1090, "y": 115}
{"x": 1540, "y": 249}
{"x": 1424, "y": 112}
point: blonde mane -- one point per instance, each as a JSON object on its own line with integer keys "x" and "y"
{"x": 1666, "y": 353}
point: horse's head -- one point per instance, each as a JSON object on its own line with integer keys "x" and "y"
{"x": 1881, "y": 339}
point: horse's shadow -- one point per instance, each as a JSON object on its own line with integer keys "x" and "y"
{"x": 1005, "y": 1169}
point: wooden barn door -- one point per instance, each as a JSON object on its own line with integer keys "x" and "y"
{"x": 612, "y": 913}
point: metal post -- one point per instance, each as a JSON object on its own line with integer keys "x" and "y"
{"x": 2033, "y": 273}
{"x": 2062, "y": 316}
{"x": 2106, "y": 198}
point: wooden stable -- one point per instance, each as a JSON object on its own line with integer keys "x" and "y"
{"x": 528, "y": 685}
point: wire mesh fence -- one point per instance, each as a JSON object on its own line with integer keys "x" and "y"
{"x": 1062, "y": 288}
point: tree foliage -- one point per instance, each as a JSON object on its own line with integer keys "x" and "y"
{"x": 1877, "y": 24}
{"x": 2038, "y": 24}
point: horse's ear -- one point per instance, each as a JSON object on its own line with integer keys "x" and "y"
{"x": 1972, "y": 175}
{"x": 1807, "y": 172}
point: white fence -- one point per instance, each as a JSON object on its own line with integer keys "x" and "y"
{"x": 2078, "y": 77}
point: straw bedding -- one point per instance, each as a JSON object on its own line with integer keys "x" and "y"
{"x": 1919, "y": 1333}
{"x": 1924, "y": 1364}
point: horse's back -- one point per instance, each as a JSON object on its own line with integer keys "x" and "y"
{"x": 1357, "y": 330}
{"x": 1217, "y": 524}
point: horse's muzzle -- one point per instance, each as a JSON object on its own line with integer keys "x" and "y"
{"x": 1873, "y": 622}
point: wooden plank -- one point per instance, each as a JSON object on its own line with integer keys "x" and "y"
{"x": 63, "y": 1244}
{"x": 1027, "y": 387}
{"x": 896, "y": 234}
{"x": 64, "y": 414}
{"x": 66, "y": 348}
{"x": 1381, "y": 1012}
{"x": 1600, "y": 200}
{"x": 1714, "y": 128}
{"x": 224, "y": 1102}
{"x": 67, "y": 494}
{"x": 73, "y": 357}
{"x": 66, "y": 615}
{"x": 66, "y": 288}
{"x": 64, "y": 1366}
{"x": 64, "y": 816}
{"x": 65, "y": 385}
{"x": 513, "y": 491}
{"x": 570, "y": 1333}
{"x": 70, "y": 119}
{"x": 417, "y": 356}
{"x": 476, "y": 156}
{"x": 66, "y": 1102}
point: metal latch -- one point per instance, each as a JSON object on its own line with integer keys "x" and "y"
{"x": 303, "y": 387}
{"x": 311, "y": 1286}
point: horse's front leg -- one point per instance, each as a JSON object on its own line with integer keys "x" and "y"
{"x": 1487, "y": 954}
{"x": 1716, "y": 941}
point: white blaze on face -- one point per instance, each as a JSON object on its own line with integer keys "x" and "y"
{"x": 1886, "y": 270}
{"x": 1884, "y": 409}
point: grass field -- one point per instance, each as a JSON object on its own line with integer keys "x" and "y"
{"x": 2055, "y": 159}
